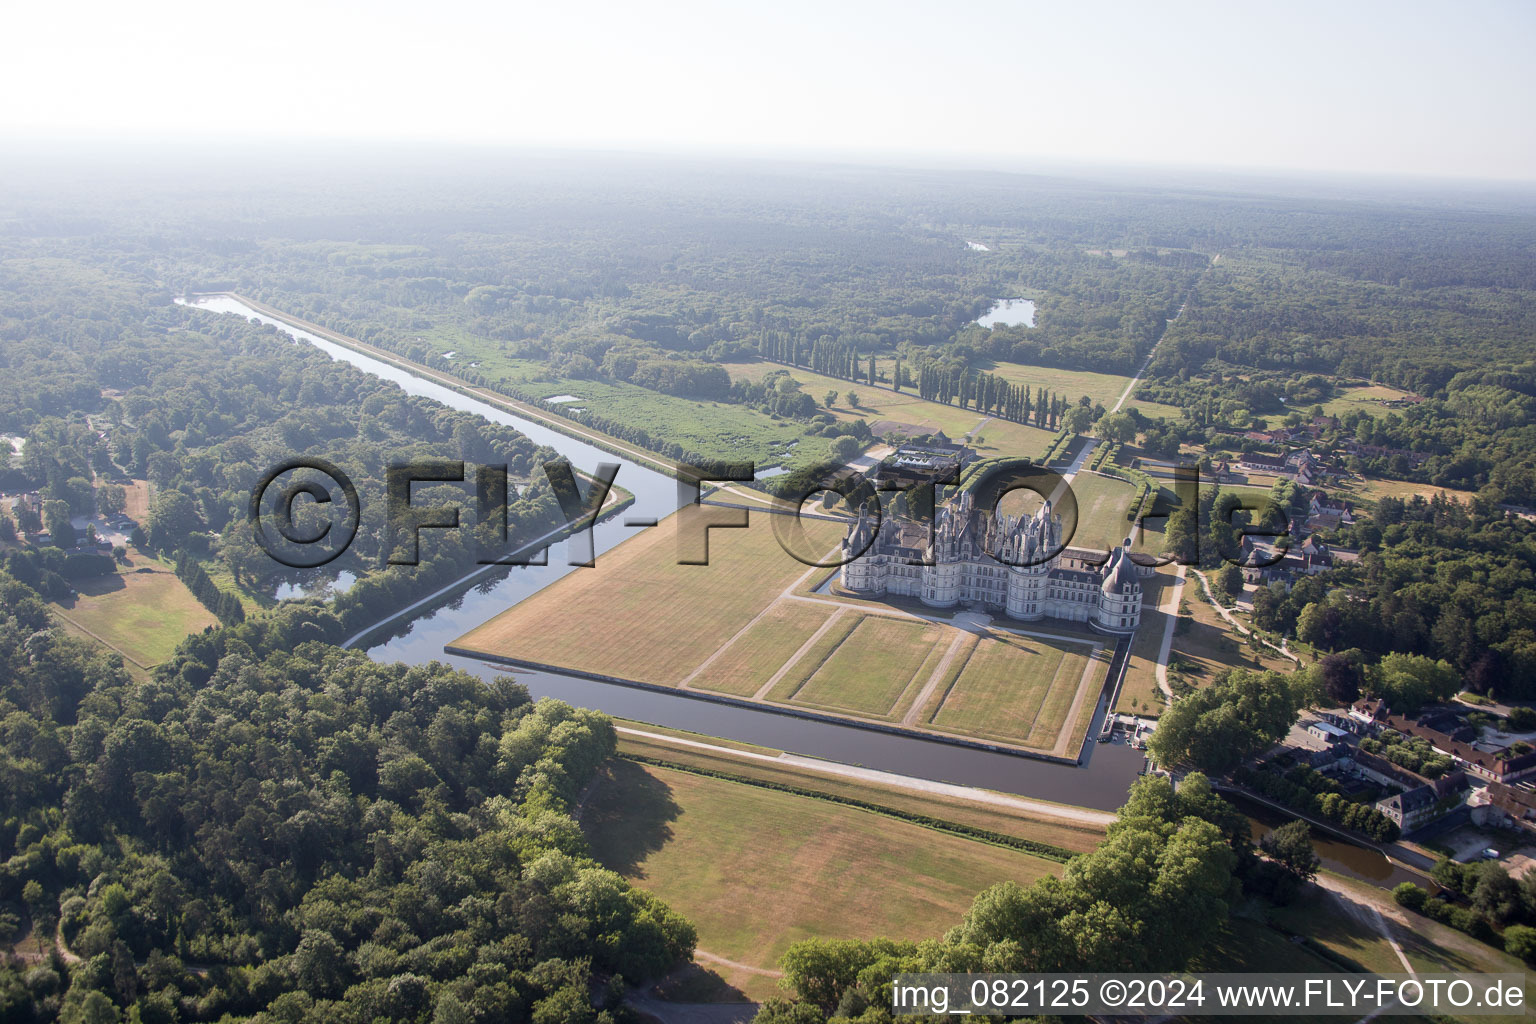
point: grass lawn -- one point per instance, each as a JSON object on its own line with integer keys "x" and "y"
{"x": 1367, "y": 398}
{"x": 1102, "y": 503}
{"x": 142, "y": 612}
{"x": 814, "y": 658}
{"x": 1207, "y": 644}
{"x": 136, "y": 500}
{"x": 1074, "y": 836}
{"x": 640, "y": 615}
{"x": 1103, "y": 388}
{"x": 879, "y": 661}
{"x": 1017, "y": 689}
{"x": 1139, "y": 694}
{"x": 1369, "y": 492}
{"x": 753, "y": 658}
{"x": 1353, "y": 934}
{"x": 1432, "y": 947}
{"x": 756, "y": 870}
{"x": 917, "y": 415}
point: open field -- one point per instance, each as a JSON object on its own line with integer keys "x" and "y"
{"x": 640, "y": 615}
{"x": 1103, "y": 388}
{"x": 994, "y": 438}
{"x": 1368, "y": 492}
{"x": 1366, "y": 397}
{"x": 142, "y": 612}
{"x": 756, "y": 870}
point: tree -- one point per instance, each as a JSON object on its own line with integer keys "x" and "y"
{"x": 172, "y": 519}
{"x": 1409, "y": 681}
{"x": 240, "y": 552}
{"x": 1496, "y": 895}
{"x": 853, "y": 399}
{"x": 1411, "y": 896}
{"x": 1520, "y": 941}
{"x": 112, "y": 499}
{"x": 1117, "y": 427}
{"x": 831, "y": 399}
{"x": 1229, "y": 581}
{"x": 1240, "y": 714}
{"x": 1290, "y": 845}
{"x": 1078, "y": 419}
{"x": 1338, "y": 677}
{"x": 56, "y": 521}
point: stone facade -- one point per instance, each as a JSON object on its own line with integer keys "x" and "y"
{"x": 1004, "y": 563}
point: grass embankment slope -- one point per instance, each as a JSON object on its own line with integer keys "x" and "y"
{"x": 756, "y": 870}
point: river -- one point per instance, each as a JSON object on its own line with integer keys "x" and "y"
{"x": 1101, "y": 783}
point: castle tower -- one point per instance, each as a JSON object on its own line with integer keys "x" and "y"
{"x": 1119, "y": 609}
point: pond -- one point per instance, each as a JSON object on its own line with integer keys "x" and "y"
{"x": 1010, "y": 313}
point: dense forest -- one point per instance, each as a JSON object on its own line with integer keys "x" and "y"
{"x": 271, "y": 828}
{"x": 107, "y": 380}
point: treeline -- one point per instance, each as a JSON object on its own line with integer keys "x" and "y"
{"x": 202, "y": 405}
{"x": 993, "y": 395}
{"x": 1478, "y": 898}
{"x": 225, "y": 606}
{"x": 1309, "y": 791}
{"x": 270, "y": 828}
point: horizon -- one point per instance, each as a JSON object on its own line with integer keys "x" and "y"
{"x": 1324, "y": 92}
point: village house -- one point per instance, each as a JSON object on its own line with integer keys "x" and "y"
{"x": 1414, "y": 808}
{"x": 1447, "y": 734}
{"x": 1266, "y": 563}
{"x": 1325, "y": 513}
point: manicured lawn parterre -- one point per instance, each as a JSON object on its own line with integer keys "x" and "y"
{"x": 1102, "y": 505}
{"x": 744, "y": 666}
{"x": 640, "y": 615}
{"x": 1018, "y": 689}
{"x": 756, "y": 870}
{"x": 875, "y": 666}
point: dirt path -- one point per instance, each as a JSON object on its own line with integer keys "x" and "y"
{"x": 1370, "y": 913}
{"x": 1039, "y": 808}
{"x": 916, "y": 711}
{"x": 711, "y": 958}
{"x": 1170, "y": 610}
{"x": 1231, "y": 620}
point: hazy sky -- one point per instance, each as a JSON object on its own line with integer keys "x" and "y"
{"x": 1402, "y": 88}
